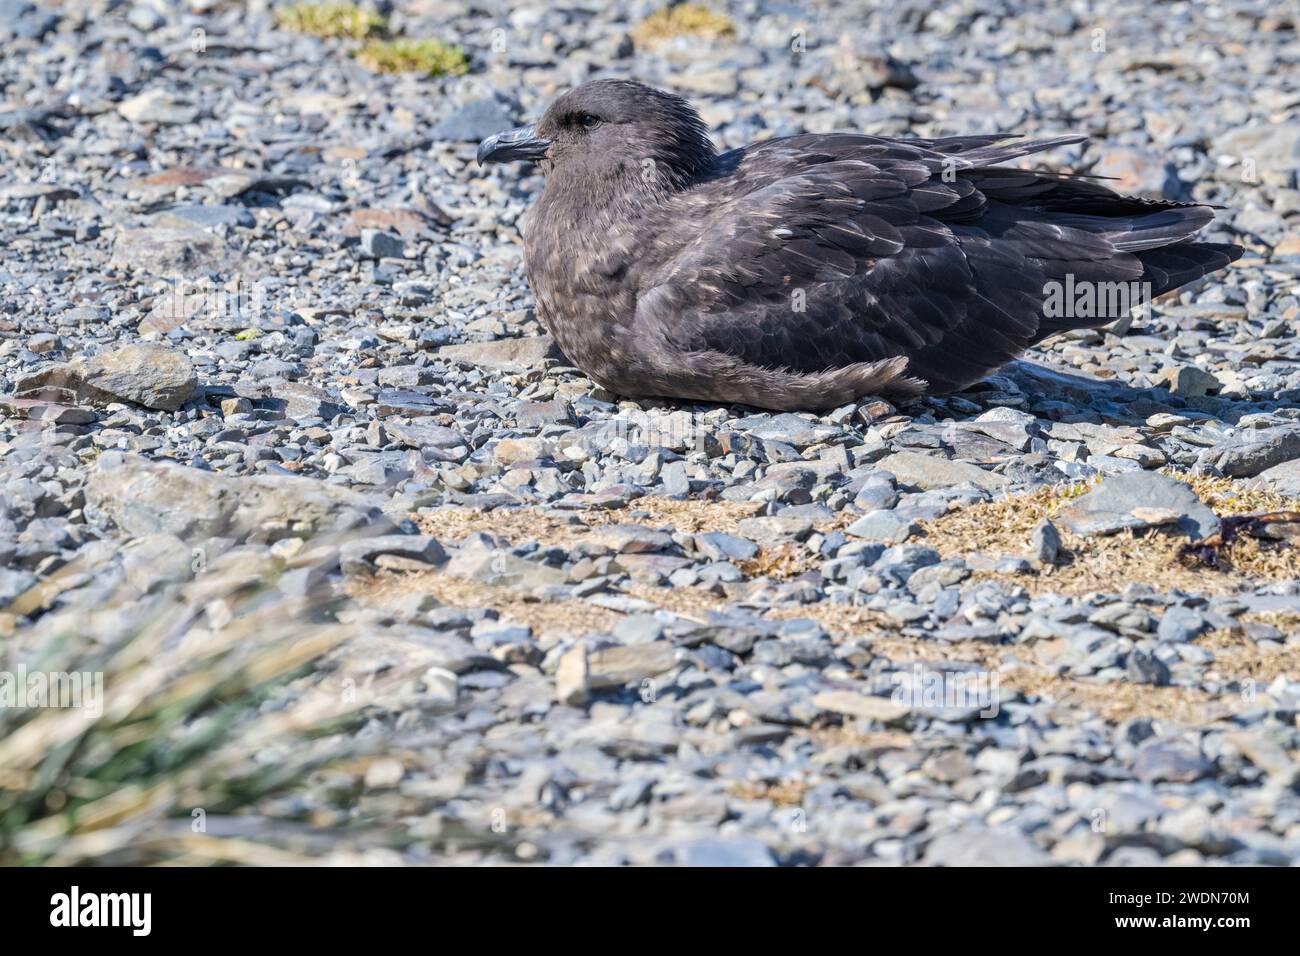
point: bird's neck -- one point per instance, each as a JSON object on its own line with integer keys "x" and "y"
{"x": 617, "y": 191}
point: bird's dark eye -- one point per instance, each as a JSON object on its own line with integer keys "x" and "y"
{"x": 587, "y": 121}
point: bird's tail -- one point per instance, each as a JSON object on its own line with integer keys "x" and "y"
{"x": 1171, "y": 267}
{"x": 1078, "y": 300}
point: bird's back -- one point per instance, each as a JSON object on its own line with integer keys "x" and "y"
{"x": 814, "y": 252}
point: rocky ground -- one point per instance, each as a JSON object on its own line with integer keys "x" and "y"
{"x": 284, "y": 457}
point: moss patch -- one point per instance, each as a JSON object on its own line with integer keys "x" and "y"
{"x": 688, "y": 19}
{"x": 331, "y": 20}
{"x": 426, "y": 57}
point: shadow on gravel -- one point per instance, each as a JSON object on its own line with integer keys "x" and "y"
{"x": 1118, "y": 400}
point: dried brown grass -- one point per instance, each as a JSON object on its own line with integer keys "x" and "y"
{"x": 383, "y": 590}
{"x": 1113, "y": 562}
{"x": 520, "y": 525}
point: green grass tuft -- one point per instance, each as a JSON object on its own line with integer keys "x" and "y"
{"x": 205, "y": 714}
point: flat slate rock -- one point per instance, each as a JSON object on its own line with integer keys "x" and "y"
{"x": 150, "y": 375}
{"x": 978, "y": 846}
{"x": 919, "y": 470}
{"x": 153, "y": 376}
{"x": 140, "y": 497}
{"x": 168, "y": 252}
{"x": 1138, "y": 500}
{"x": 1170, "y": 761}
{"x": 1284, "y": 478}
{"x": 502, "y": 353}
{"x": 1251, "y": 453}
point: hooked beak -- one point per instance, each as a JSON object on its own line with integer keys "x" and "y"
{"x": 520, "y": 143}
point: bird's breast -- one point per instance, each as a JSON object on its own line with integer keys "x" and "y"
{"x": 579, "y": 307}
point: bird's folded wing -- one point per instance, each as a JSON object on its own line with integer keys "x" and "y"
{"x": 822, "y": 251}
{"x": 850, "y": 261}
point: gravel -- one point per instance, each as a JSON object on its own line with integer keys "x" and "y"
{"x": 256, "y": 298}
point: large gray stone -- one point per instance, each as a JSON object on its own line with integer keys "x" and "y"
{"x": 978, "y": 846}
{"x": 154, "y": 376}
{"x": 1140, "y": 499}
{"x": 169, "y": 253}
{"x": 720, "y": 546}
{"x": 1170, "y": 761}
{"x": 420, "y": 435}
{"x": 633, "y": 539}
{"x": 918, "y": 470}
{"x": 502, "y": 353}
{"x": 412, "y": 549}
{"x": 300, "y": 400}
{"x": 1284, "y": 478}
{"x": 626, "y": 664}
{"x": 788, "y": 427}
{"x": 886, "y": 527}
{"x": 142, "y": 497}
{"x": 1252, "y": 452}
{"x": 150, "y": 375}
